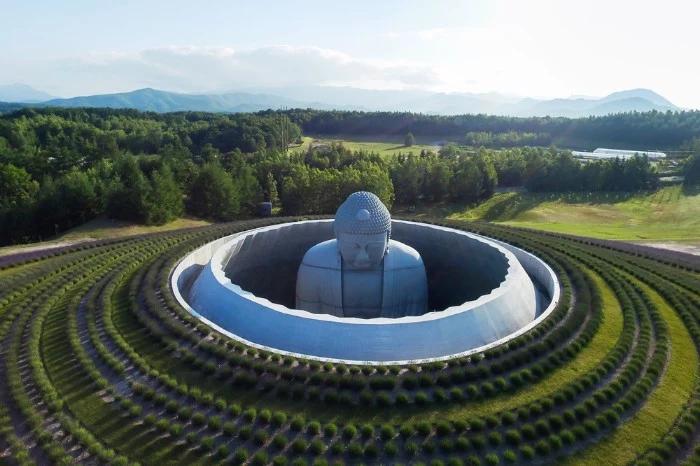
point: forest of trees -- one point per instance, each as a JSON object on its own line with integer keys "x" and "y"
{"x": 62, "y": 167}
{"x": 653, "y": 129}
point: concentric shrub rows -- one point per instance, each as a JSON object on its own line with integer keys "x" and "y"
{"x": 100, "y": 365}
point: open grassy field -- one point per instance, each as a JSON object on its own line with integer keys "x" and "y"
{"x": 669, "y": 214}
{"x": 385, "y": 147}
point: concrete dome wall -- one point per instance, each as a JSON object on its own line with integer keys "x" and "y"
{"x": 502, "y": 312}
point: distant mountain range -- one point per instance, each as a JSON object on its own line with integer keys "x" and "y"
{"x": 347, "y": 98}
{"x": 22, "y": 93}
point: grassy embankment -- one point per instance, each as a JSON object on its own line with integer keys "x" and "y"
{"x": 668, "y": 214}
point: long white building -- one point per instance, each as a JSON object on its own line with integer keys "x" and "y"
{"x": 602, "y": 153}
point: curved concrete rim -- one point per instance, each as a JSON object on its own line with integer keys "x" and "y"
{"x": 222, "y": 246}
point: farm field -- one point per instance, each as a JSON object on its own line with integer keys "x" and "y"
{"x": 100, "y": 364}
{"x": 381, "y": 146}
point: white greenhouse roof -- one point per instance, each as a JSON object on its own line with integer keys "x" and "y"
{"x": 602, "y": 153}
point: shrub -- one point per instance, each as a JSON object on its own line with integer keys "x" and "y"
{"x": 259, "y": 458}
{"x": 406, "y": 430}
{"x": 349, "y": 431}
{"x": 462, "y": 443}
{"x": 411, "y": 448}
{"x": 208, "y": 443}
{"x": 513, "y": 436}
{"x": 261, "y": 437}
{"x": 479, "y": 442}
{"x": 367, "y": 430}
{"x": 423, "y": 428}
{"x": 297, "y": 423}
{"x": 265, "y": 416}
{"x": 421, "y": 399}
{"x": 371, "y": 450}
{"x": 527, "y": 452}
{"x": 223, "y": 451}
{"x": 354, "y": 449}
{"x": 317, "y": 446}
{"x": 280, "y": 460}
{"x": 510, "y": 456}
{"x": 245, "y": 433}
{"x": 299, "y": 445}
{"x": 330, "y": 430}
{"x": 314, "y": 428}
{"x": 446, "y": 445}
{"x": 214, "y": 422}
{"x": 390, "y": 449}
{"x": 337, "y": 448}
{"x": 387, "y": 432}
{"x": 542, "y": 447}
{"x": 278, "y": 419}
{"x": 229, "y": 428}
{"x": 443, "y": 428}
{"x": 250, "y": 414}
{"x": 198, "y": 419}
{"x": 280, "y": 442}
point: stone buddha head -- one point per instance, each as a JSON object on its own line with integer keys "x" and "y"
{"x": 362, "y": 228}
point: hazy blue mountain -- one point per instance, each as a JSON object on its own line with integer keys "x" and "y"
{"x": 22, "y": 93}
{"x": 639, "y": 104}
{"x": 645, "y": 94}
{"x": 347, "y": 98}
{"x": 161, "y": 101}
{"x": 451, "y": 104}
{"x": 640, "y": 100}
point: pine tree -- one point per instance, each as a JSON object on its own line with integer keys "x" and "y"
{"x": 410, "y": 140}
{"x": 271, "y": 186}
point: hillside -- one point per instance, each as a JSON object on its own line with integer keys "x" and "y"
{"x": 669, "y": 214}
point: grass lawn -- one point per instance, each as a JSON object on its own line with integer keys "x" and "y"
{"x": 669, "y": 214}
{"x": 389, "y": 148}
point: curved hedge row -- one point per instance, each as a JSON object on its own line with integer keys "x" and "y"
{"x": 100, "y": 365}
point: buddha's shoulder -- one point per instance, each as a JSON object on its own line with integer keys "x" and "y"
{"x": 323, "y": 254}
{"x": 403, "y": 256}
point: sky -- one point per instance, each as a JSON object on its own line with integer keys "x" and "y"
{"x": 537, "y": 48}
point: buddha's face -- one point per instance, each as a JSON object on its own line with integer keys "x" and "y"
{"x": 362, "y": 252}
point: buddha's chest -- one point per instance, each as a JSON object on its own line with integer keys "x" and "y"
{"x": 362, "y": 293}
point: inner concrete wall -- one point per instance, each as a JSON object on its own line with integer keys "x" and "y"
{"x": 506, "y": 311}
{"x": 266, "y": 264}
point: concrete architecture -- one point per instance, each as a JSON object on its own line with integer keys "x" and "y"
{"x": 481, "y": 295}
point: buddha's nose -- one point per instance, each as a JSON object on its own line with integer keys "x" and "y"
{"x": 362, "y": 255}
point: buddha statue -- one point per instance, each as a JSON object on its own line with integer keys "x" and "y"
{"x": 363, "y": 272}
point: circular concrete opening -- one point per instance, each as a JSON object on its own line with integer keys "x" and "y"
{"x": 482, "y": 293}
{"x": 459, "y": 268}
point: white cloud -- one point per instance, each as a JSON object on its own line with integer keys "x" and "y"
{"x": 206, "y": 69}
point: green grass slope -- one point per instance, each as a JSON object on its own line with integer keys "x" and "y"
{"x": 669, "y": 214}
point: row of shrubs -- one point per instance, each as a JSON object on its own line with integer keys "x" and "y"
{"x": 596, "y": 415}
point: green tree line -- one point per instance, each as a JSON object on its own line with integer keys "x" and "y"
{"x": 644, "y": 130}
{"x": 60, "y": 168}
